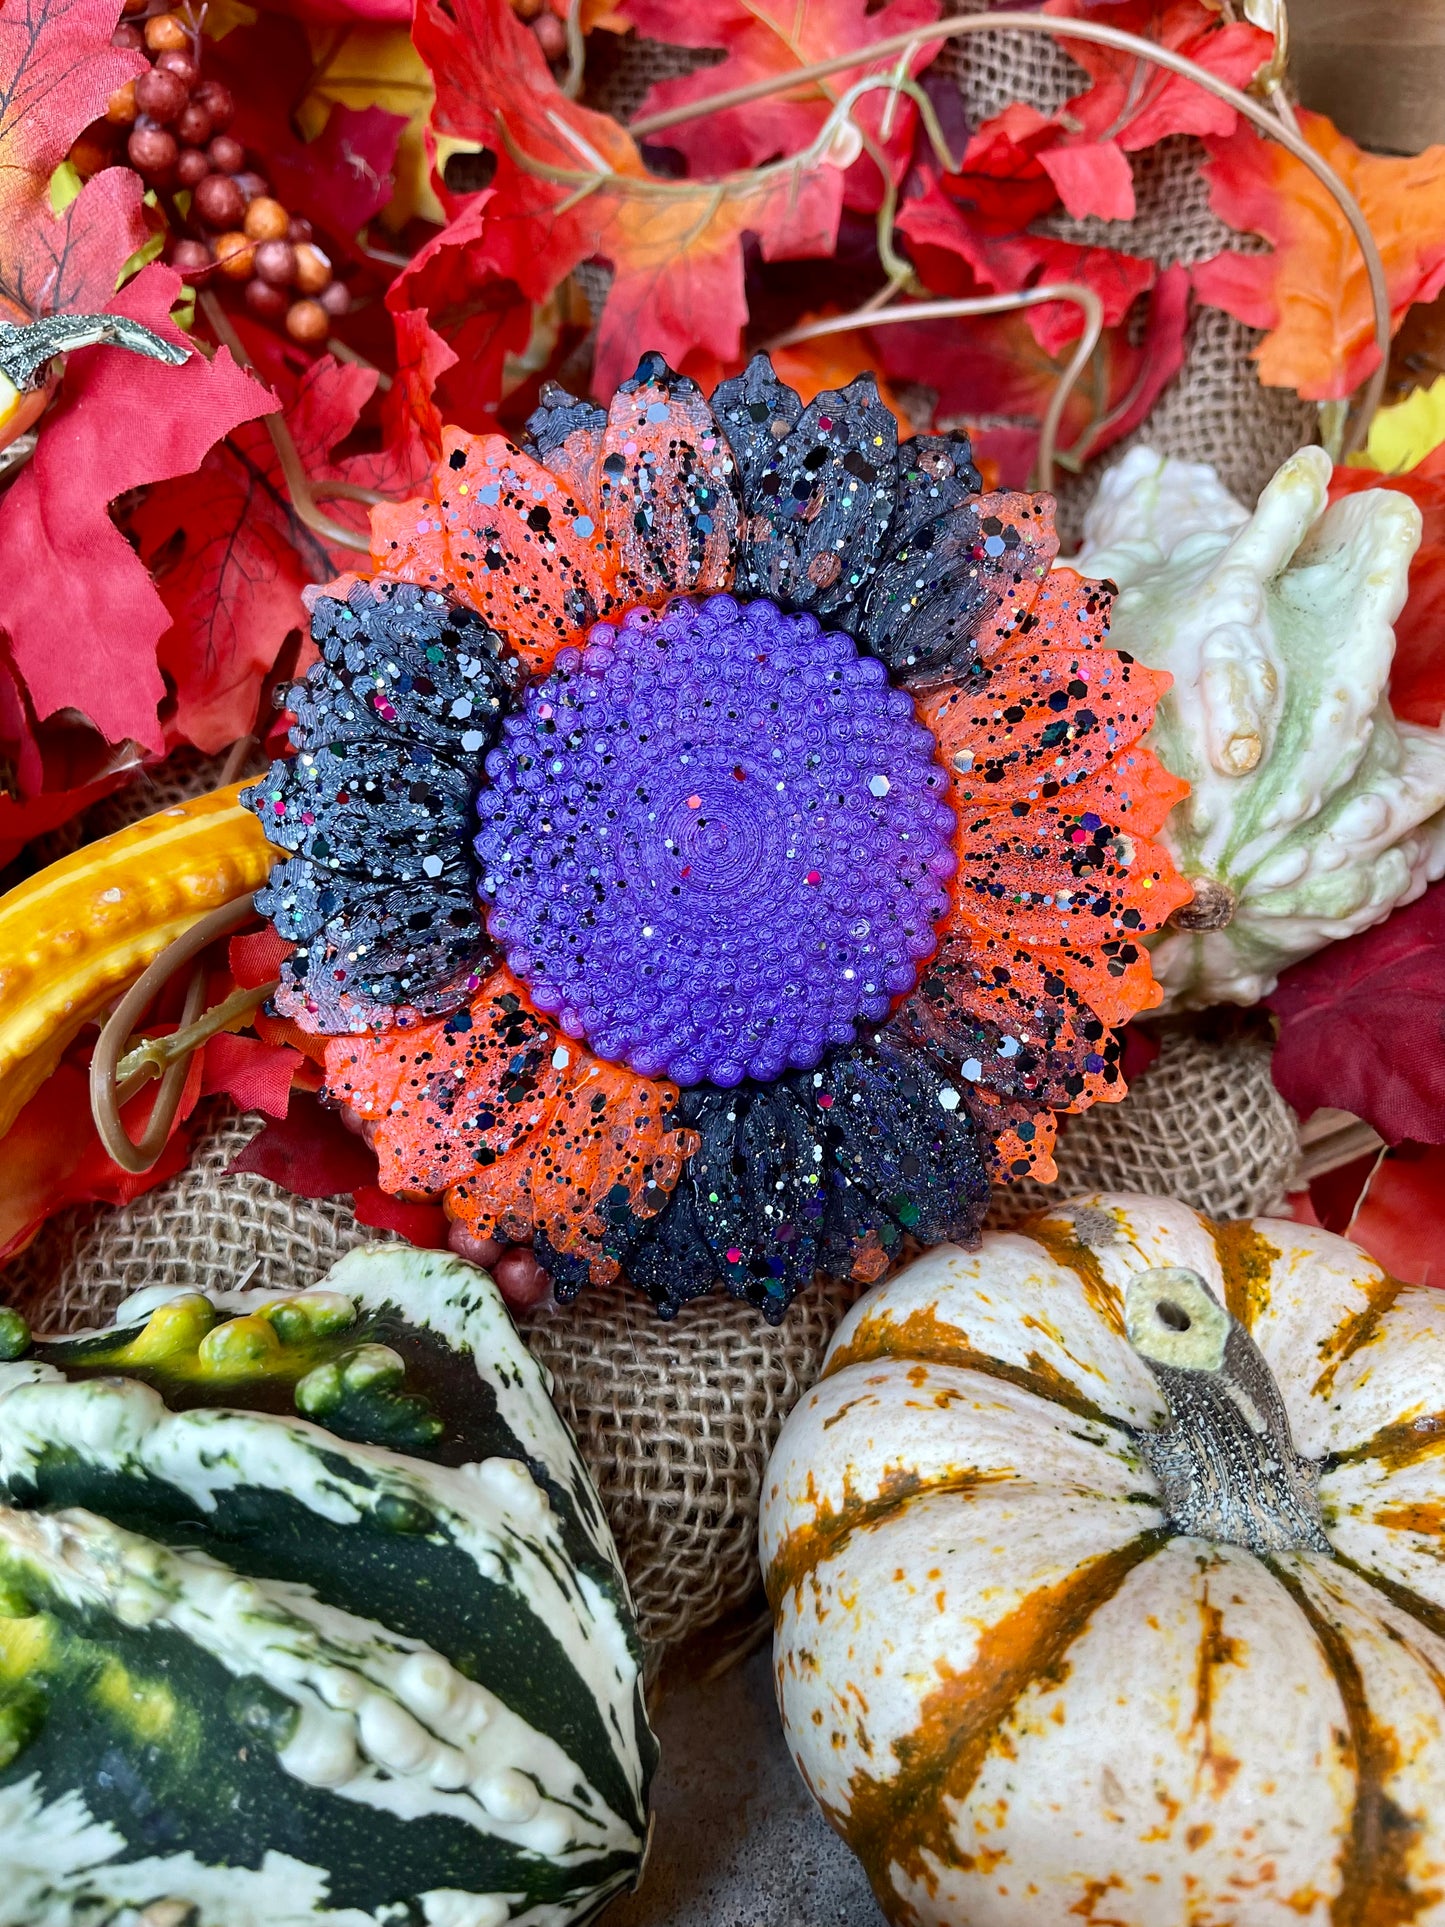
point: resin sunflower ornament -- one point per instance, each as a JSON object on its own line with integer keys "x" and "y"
{"x": 719, "y": 843}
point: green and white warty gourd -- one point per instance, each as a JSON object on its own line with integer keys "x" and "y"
{"x": 1313, "y": 813}
{"x": 308, "y": 1614}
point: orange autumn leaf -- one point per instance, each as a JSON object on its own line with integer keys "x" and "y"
{"x": 832, "y": 361}
{"x": 571, "y": 186}
{"x": 1312, "y": 293}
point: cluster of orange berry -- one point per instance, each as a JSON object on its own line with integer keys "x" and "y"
{"x": 224, "y": 219}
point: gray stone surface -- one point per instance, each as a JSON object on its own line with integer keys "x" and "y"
{"x": 739, "y": 1842}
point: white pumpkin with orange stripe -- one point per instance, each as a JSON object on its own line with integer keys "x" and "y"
{"x": 1109, "y": 1579}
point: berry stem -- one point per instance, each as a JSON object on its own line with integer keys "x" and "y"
{"x": 298, "y": 483}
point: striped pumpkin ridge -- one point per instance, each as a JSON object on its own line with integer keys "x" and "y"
{"x": 308, "y": 1613}
{"x": 1040, "y": 1656}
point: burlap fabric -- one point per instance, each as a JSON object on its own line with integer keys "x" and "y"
{"x": 676, "y": 1421}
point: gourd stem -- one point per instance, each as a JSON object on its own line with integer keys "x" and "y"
{"x": 1225, "y": 1462}
{"x": 1264, "y": 118}
{"x": 115, "y": 1036}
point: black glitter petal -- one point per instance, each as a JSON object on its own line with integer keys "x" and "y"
{"x": 756, "y": 412}
{"x": 557, "y": 418}
{"x": 399, "y": 661}
{"x": 379, "y": 894}
{"x": 811, "y": 1174}
{"x": 1044, "y": 1058}
{"x": 927, "y": 597}
{"x": 368, "y": 948}
{"x": 897, "y": 1135}
{"x": 388, "y": 811}
{"x": 568, "y": 1274}
{"x": 671, "y": 1259}
{"x": 816, "y": 516}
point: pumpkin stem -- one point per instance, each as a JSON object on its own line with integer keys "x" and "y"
{"x": 1225, "y": 1462}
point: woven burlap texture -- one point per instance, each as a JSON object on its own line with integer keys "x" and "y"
{"x": 676, "y": 1421}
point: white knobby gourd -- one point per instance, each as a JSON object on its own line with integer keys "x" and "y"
{"x": 1106, "y": 1573}
{"x": 1312, "y": 812}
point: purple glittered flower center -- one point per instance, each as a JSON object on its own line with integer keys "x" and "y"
{"x": 714, "y": 841}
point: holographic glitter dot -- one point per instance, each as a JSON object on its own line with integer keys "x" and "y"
{"x": 685, "y": 853}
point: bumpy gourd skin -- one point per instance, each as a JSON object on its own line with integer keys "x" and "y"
{"x": 309, "y": 1615}
{"x": 1312, "y": 811}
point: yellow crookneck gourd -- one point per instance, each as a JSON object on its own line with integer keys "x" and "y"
{"x": 74, "y": 935}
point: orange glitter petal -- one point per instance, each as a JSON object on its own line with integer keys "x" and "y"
{"x": 1019, "y": 1140}
{"x": 1004, "y": 739}
{"x": 1114, "y": 979}
{"x": 1070, "y": 611}
{"x": 981, "y": 992}
{"x": 509, "y": 539}
{"x": 605, "y": 1156}
{"x": 669, "y": 492}
{"x": 452, "y": 1094}
{"x": 520, "y": 1128}
{"x": 1014, "y": 573}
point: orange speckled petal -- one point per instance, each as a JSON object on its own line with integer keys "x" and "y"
{"x": 1013, "y": 1023}
{"x": 1020, "y": 1141}
{"x": 407, "y": 544}
{"x": 451, "y": 1095}
{"x": 1039, "y": 722}
{"x": 508, "y": 538}
{"x": 1067, "y": 870}
{"x": 669, "y": 489}
{"x": 1017, "y": 543}
{"x": 1114, "y": 979}
{"x": 605, "y": 1159}
{"x": 1070, "y": 611}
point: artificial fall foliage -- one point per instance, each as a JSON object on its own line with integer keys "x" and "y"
{"x": 1362, "y": 1025}
{"x": 502, "y": 214}
{"x": 1417, "y": 676}
{"x": 1311, "y": 293}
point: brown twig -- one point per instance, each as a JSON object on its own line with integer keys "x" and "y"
{"x": 298, "y": 482}
{"x": 106, "y": 1096}
{"x": 1265, "y": 118}
{"x": 153, "y": 1056}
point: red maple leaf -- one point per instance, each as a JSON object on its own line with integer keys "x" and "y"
{"x": 1391, "y": 1206}
{"x": 571, "y": 185}
{"x": 1362, "y": 1025}
{"x": 1417, "y": 674}
{"x": 57, "y": 71}
{"x": 231, "y": 556}
{"x": 1136, "y": 104}
{"x": 82, "y": 616}
{"x": 992, "y": 367}
{"x": 120, "y": 422}
{"x": 52, "y": 1155}
{"x": 456, "y": 321}
{"x": 965, "y": 239}
{"x": 768, "y": 40}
